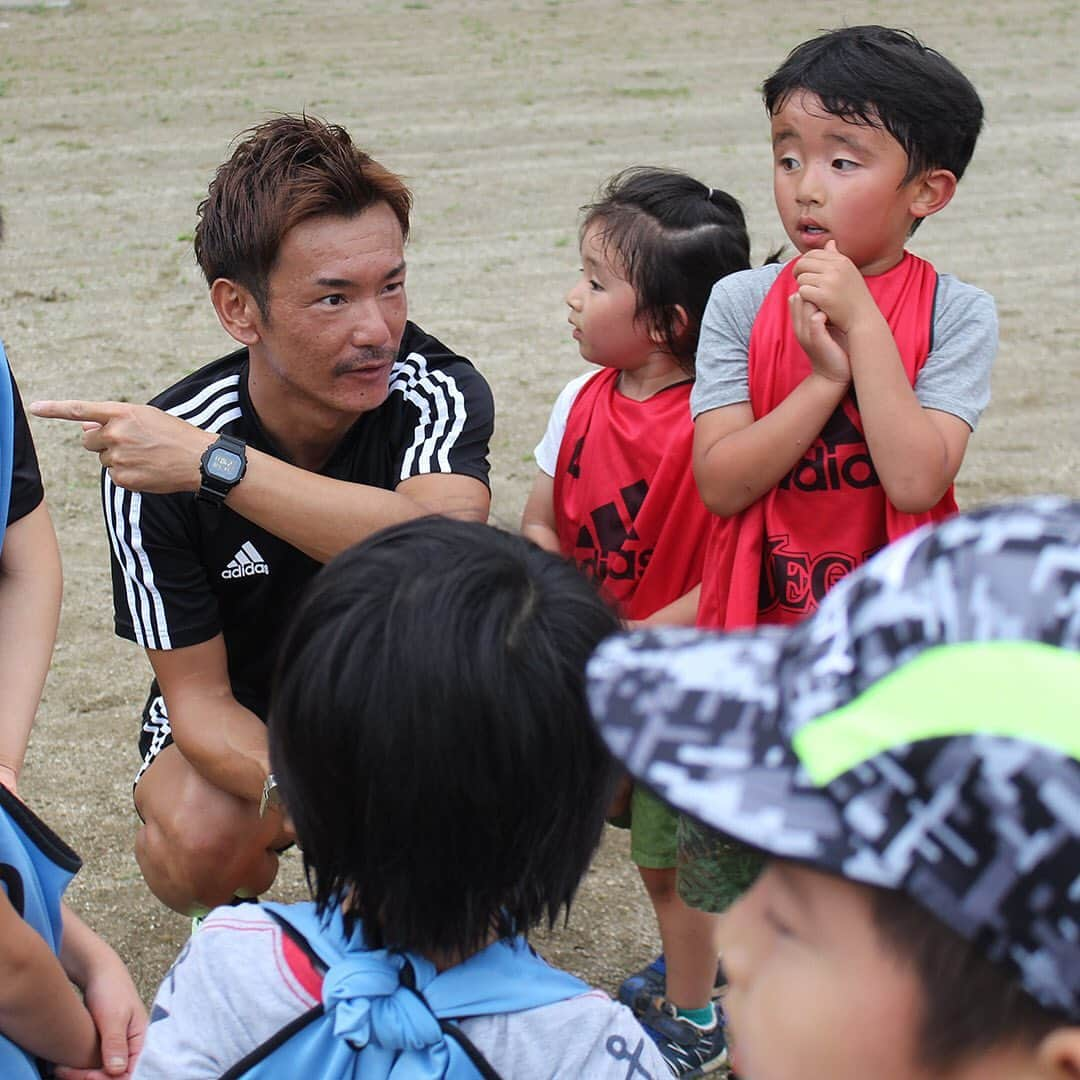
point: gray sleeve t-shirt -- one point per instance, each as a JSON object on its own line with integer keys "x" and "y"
{"x": 955, "y": 378}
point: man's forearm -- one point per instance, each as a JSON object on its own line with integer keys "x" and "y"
{"x": 314, "y": 513}
{"x": 148, "y": 450}
{"x": 227, "y": 744}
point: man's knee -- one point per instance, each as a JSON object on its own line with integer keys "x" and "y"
{"x": 202, "y": 867}
{"x": 197, "y": 844}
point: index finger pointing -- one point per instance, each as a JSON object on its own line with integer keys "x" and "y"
{"x": 99, "y": 412}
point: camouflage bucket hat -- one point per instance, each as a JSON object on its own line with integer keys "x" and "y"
{"x": 920, "y": 732}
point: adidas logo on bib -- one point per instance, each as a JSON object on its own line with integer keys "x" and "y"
{"x": 247, "y": 562}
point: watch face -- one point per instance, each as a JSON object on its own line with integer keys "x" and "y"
{"x": 224, "y": 465}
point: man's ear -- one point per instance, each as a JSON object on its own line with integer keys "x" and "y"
{"x": 933, "y": 192}
{"x": 237, "y": 311}
{"x": 1058, "y": 1055}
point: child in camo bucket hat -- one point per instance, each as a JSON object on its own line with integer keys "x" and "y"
{"x": 910, "y": 758}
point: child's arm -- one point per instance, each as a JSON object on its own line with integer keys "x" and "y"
{"x": 916, "y": 452}
{"x": 538, "y": 518}
{"x": 681, "y": 612}
{"x": 30, "y": 587}
{"x": 538, "y": 522}
{"x": 39, "y": 1008}
{"x": 737, "y": 459}
{"x": 109, "y": 995}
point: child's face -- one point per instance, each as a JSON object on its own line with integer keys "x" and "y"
{"x": 603, "y": 306}
{"x": 842, "y": 181}
{"x": 812, "y": 990}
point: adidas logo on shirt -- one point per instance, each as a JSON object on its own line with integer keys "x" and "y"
{"x": 247, "y": 562}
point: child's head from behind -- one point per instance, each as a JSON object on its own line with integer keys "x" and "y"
{"x": 652, "y": 246}
{"x": 900, "y": 95}
{"x": 430, "y": 734}
{"x": 909, "y": 757}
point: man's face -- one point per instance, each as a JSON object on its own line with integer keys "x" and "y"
{"x": 812, "y": 990}
{"x": 337, "y": 311}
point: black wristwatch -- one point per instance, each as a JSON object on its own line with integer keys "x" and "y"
{"x": 222, "y": 466}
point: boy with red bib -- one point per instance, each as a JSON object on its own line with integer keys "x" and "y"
{"x": 836, "y": 394}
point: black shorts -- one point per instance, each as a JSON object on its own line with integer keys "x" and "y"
{"x": 155, "y": 735}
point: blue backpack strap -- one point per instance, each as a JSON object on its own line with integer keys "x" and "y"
{"x": 396, "y": 1008}
{"x": 35, "y": 868}
{"x": 7, "y": 440}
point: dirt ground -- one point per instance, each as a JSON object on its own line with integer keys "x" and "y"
{"x": 505, "y": 116}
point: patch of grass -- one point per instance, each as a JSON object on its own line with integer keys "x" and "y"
{"x": 471, "y": 24}
{"x": 652, "y": 93}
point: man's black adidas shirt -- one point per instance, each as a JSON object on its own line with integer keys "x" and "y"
{"x": 182, "y": 570}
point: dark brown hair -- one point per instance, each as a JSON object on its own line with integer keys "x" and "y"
{"x": 970, "y": 1005}
{"x": 286, "y": 170}
{"x": 887, "y": 78}
{"x": 673, "y": 238}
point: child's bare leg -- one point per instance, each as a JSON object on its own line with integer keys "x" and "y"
{"x": 690, "y": 940}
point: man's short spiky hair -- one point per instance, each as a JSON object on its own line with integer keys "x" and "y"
{"x": 286, "y": 170}
{"x": 887, "y": 78}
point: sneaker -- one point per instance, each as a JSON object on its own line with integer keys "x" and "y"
{"x": 638, "y": 990}
{"x": 688, "y": 1049}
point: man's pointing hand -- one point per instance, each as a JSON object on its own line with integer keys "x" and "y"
{"x": 144, "y": 448}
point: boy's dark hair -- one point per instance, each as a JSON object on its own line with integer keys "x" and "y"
{"x": 431, "y": 737}
{"x": 887, "y": 78}
{"x": 969, "y": 1005}
{"x": 673, "y": 239}
{"x": 287, "y": 170}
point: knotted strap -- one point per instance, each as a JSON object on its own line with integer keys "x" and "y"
{"x": 385, "y": 1015}
{"x": 372, "y": 1000}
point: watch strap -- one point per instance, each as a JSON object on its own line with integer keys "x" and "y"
{"x": 271, "y": 795}
{"x": 214, "y": 489}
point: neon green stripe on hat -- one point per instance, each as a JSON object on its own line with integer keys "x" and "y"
{"x": 1017, "y": 689}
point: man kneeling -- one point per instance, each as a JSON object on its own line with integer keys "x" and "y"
{"x": 336, "y": 418}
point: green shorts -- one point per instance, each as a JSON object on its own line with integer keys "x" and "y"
{"x": 713, "y": 870}
{"x": 652, "y": 831}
